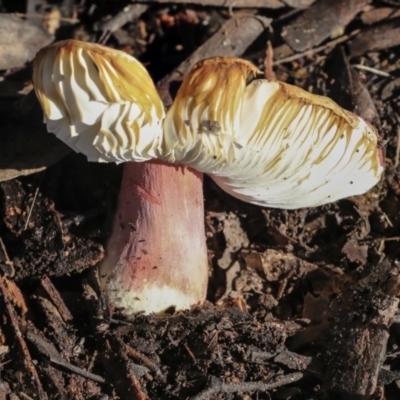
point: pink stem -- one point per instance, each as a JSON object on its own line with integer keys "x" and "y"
{"x": 157, "y": 255}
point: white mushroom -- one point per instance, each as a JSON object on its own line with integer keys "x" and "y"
{"x": 99, "y": 101}
{"x": 103, "y": 103}
{"x": 267, "y": 142}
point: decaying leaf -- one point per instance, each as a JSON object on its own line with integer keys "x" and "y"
{"x": 19, "y": 41}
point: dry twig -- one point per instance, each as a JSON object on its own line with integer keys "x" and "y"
{"x": 140, "y": 357}
{"x": 30, "y": 366}
{"x": 31, "y": 208}
{"x": 77, "y": 370}
{"x": 8, "y": 261}
{"x": 128, "y": 14}
{"x": 226, "y": 3}
{"x": 268, "y": 62}
{"x": 218, "y": 386}
{"x": 42, "y": 16}
{"x": 55, "y": 297}
{"x": 315, "y": 50}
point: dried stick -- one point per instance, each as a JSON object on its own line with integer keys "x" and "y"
{"x": 137, "y": 356}
{"x": 128, "y": 14}
{"x": 137, "y": 388}
{"x": 25, "y": 396}
{"x": 315, "y": 50}
{"x": 358, "y": 344}
{"x": 77, "y": 370}
{"x": 30, "y": 366}
{"x": 218, "y": 386}
{"x": 268, "y": 62}
{"x": 55, "y": 297}
{"x": 317, "y": 23}
{"x": 224, "y": 3}
{"x": 119, "y": 371}
{"x": 41, "y": 16}
{"x": 8, "y": 261}
{"x": 31, "y": 209}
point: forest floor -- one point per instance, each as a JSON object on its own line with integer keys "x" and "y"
{"x": 301, "y": 304}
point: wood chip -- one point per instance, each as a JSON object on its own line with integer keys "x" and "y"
{"x": 19, "y": 41}
{"x": 320, "y": 21}
{"x": 377, "y": 37}
{"x": 26, "y": 357}
{"x": 379, "y": 14}
{"x": 227, "y": 3}
{"x": 56, "y": 298}
{"x": 128, "y": 14}
{"x": 358, "y": 339}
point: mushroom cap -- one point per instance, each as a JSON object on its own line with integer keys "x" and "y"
{"x": 262, "y": 141}
{"x": 99, "y": 101}
{"x": 267, "y": 142}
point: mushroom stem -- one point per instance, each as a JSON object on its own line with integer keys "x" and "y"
{"x": 157, "y": 255}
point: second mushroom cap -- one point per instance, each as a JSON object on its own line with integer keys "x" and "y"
{"x": 267, "y": 142}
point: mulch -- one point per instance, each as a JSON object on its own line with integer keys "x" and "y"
{"x": 301, "y": 304}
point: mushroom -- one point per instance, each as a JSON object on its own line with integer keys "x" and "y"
{"x": 103, "y": 103}
{"x": 264, "y": 142}
{"x": 267, "y": 142}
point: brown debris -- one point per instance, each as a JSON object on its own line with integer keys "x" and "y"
{"x": 359, "y": 336}
{"x": 235, "y": 237}
{"x": 277, "y": 264}
{"x": 27, "y": 359}
{"x": 301, "y": 4}
{"x": 128, "y": 14}
{"x": 356, "y": 252}
{"x": 55, "y": 297}
{"x": 391, "y": 89}
{"x": 44, "y": 231}
{"x": 231, "y": 3}
{"x": 298, "y": 362}
{"x": 42, "y": 344}
{"x": 284, "y": 53}
{"x": 217, "y": 386}
{"x": 320, "y": 21}
{"x": 58, "y": 330}
{"x": 308, "y": 313}
{"x": 120, "y": 372}
{"x": 16, "y": 295}
{"x": 376, "y": 37}
{"x": 268, "y": 62}
{"x": 140, "y": 357}
{"x": 19, "y": 41}
{"x": 77, "y": 370}
{"x": 375, "y": 15}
